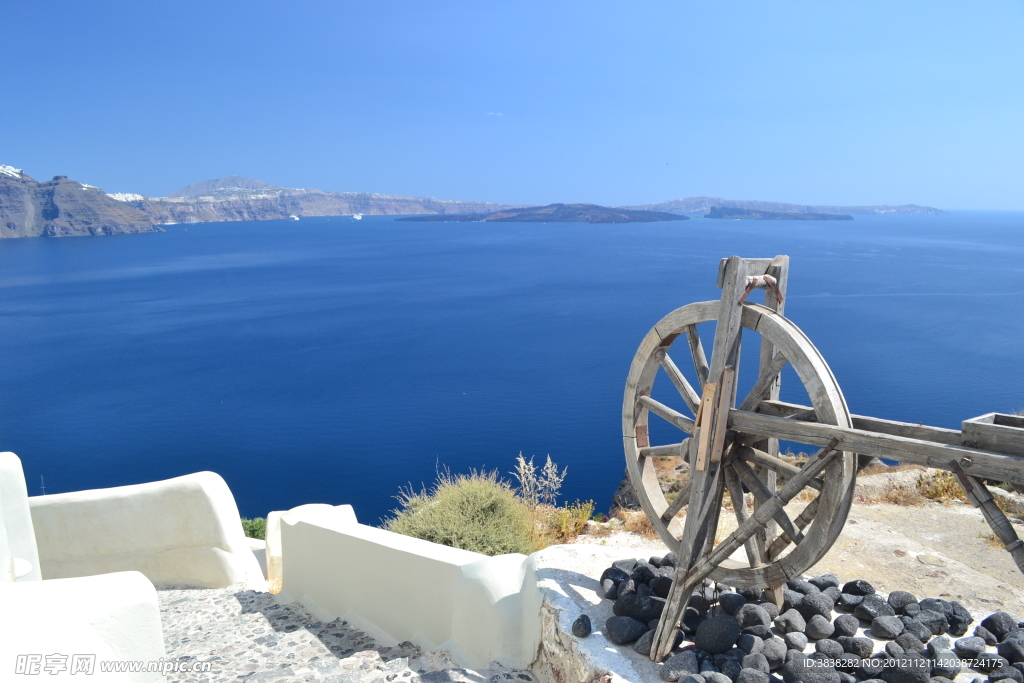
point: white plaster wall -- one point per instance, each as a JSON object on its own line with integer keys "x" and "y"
{"x": 336, "y": 515}
{"x": 182, "y": 532}
{"x": 479, "y": 608}
{"x": 115, "y": 616}
{"x": 17, "y": 537}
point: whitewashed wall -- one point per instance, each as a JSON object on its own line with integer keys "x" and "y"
{"x": 179, "y": 532}
{"x": 479, "y": 608}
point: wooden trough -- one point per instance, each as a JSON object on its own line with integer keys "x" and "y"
{"x": 731, "y": 443}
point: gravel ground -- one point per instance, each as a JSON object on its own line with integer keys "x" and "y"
{"x": 246, "y": 636}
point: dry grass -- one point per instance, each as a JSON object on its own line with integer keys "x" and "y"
{"x": 636, "y": 522}
{"x": 900, "y": 495}
{"x": 941, "y": 486}
{"x": 597, "y": 530}
{"x": 879, "y": 467}
{"x": 1010, "y": 507}
{"x": 990, "y": 538}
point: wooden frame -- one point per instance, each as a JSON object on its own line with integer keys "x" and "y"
{"x": 733, "y": 448}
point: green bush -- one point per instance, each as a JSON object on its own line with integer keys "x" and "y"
{"x": 255, "y": 528}
{"x": 477, "y": 512}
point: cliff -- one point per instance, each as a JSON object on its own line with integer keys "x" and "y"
{"x": 560, "y": 213}
{"x": 282, "y": 203}
{"x": 62, "y": 208}
{"x": 704, "y": 205}
{"x": 733, "y": 212}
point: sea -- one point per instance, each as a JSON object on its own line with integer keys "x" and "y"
{"x": 329, "y": 360}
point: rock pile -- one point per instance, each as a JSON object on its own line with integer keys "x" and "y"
{"x": 729, "y": 636}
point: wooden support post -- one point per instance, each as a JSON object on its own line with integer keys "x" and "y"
{"x": 706, "y": 482}
{"x": 769, "y": 360}
{"x": 981, "y": 498}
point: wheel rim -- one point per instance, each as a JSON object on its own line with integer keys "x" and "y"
{"x": 833, "y": 501}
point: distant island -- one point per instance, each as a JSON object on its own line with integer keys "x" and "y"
{"x": 704, "y": 205}
{"x": 732, "y": 212}
{"x": 558, "y": 213}
{"x": 63, "y": 207}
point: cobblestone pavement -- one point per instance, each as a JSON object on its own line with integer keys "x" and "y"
{"x": 245, "y": 635}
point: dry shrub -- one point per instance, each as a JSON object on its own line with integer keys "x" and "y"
{"x": 1009, "y": 506}
{"x": 635, "y": 521}
{"x": 940, "y": 485}
{"x": 477, "y": 512}
{"x": 902, "y": 495}
{"x": 879, "y": 467}
{"x": 563, "y": 524}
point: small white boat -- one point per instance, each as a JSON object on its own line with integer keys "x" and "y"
{"x": 293, "y": 217}
{"x": 357, "y": 216}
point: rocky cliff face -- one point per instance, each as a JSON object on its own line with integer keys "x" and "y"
{"x": 278, "y": 204}
{"x": 62, "y": 208}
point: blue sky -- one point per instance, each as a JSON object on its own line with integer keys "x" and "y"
{"x": 534, "y": 102}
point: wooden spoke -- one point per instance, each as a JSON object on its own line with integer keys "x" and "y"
{"x": 762, "y": 494}
{"x": 677, "y": 379}
{"x": 700, "y": 361}
{"x": 677, "y": 504}
{"x": 666, "y": 451}
{"x": 764, "y": 383}
{"x": 802, "y": 520}
{"x": 739, "y": 506}
{"x": 663, "y": 411}
{"x": 787, "y": 470}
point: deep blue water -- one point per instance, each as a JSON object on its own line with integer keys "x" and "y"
{"x": 329, "y": 360}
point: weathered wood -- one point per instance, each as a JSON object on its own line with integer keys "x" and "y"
{"x": 759, "y": 457}
{"x": 977, "y": 463}
{"x": 739, "y": 506}
{"x": 761, "y": 495}
{"x": 872, "y": 424}
{"x": 664, "y": 451}
{"x": 763, "y": 388}
{"x": 725, "y": 395}
{"x": 769, "y": 355}
{"x": 685, "y": 582}
{"x": 764, "y": 512}
{"x": 826, "y": 398}
{"x": 700, "y": 361}
{"x": 706, "y": 476}
{"x": 981, "y": 498}
{"x": 995, "y": 432}
{"x": 677, "y": 504}
{"x": 677, "y": 379}
{"x": 706, "y": 425}
{"x": 671, "y": 416}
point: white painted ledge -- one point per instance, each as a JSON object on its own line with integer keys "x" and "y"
{"x": 181, "y": 532}
{"x": 478, "y": 608}
{"x": 114, "y": 616}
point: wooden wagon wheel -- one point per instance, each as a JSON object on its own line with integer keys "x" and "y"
{"x": 818, "y": 525}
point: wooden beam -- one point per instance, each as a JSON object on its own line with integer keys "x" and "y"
{"x": 872, "y": 424}
{"x": 975, "y": 462}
